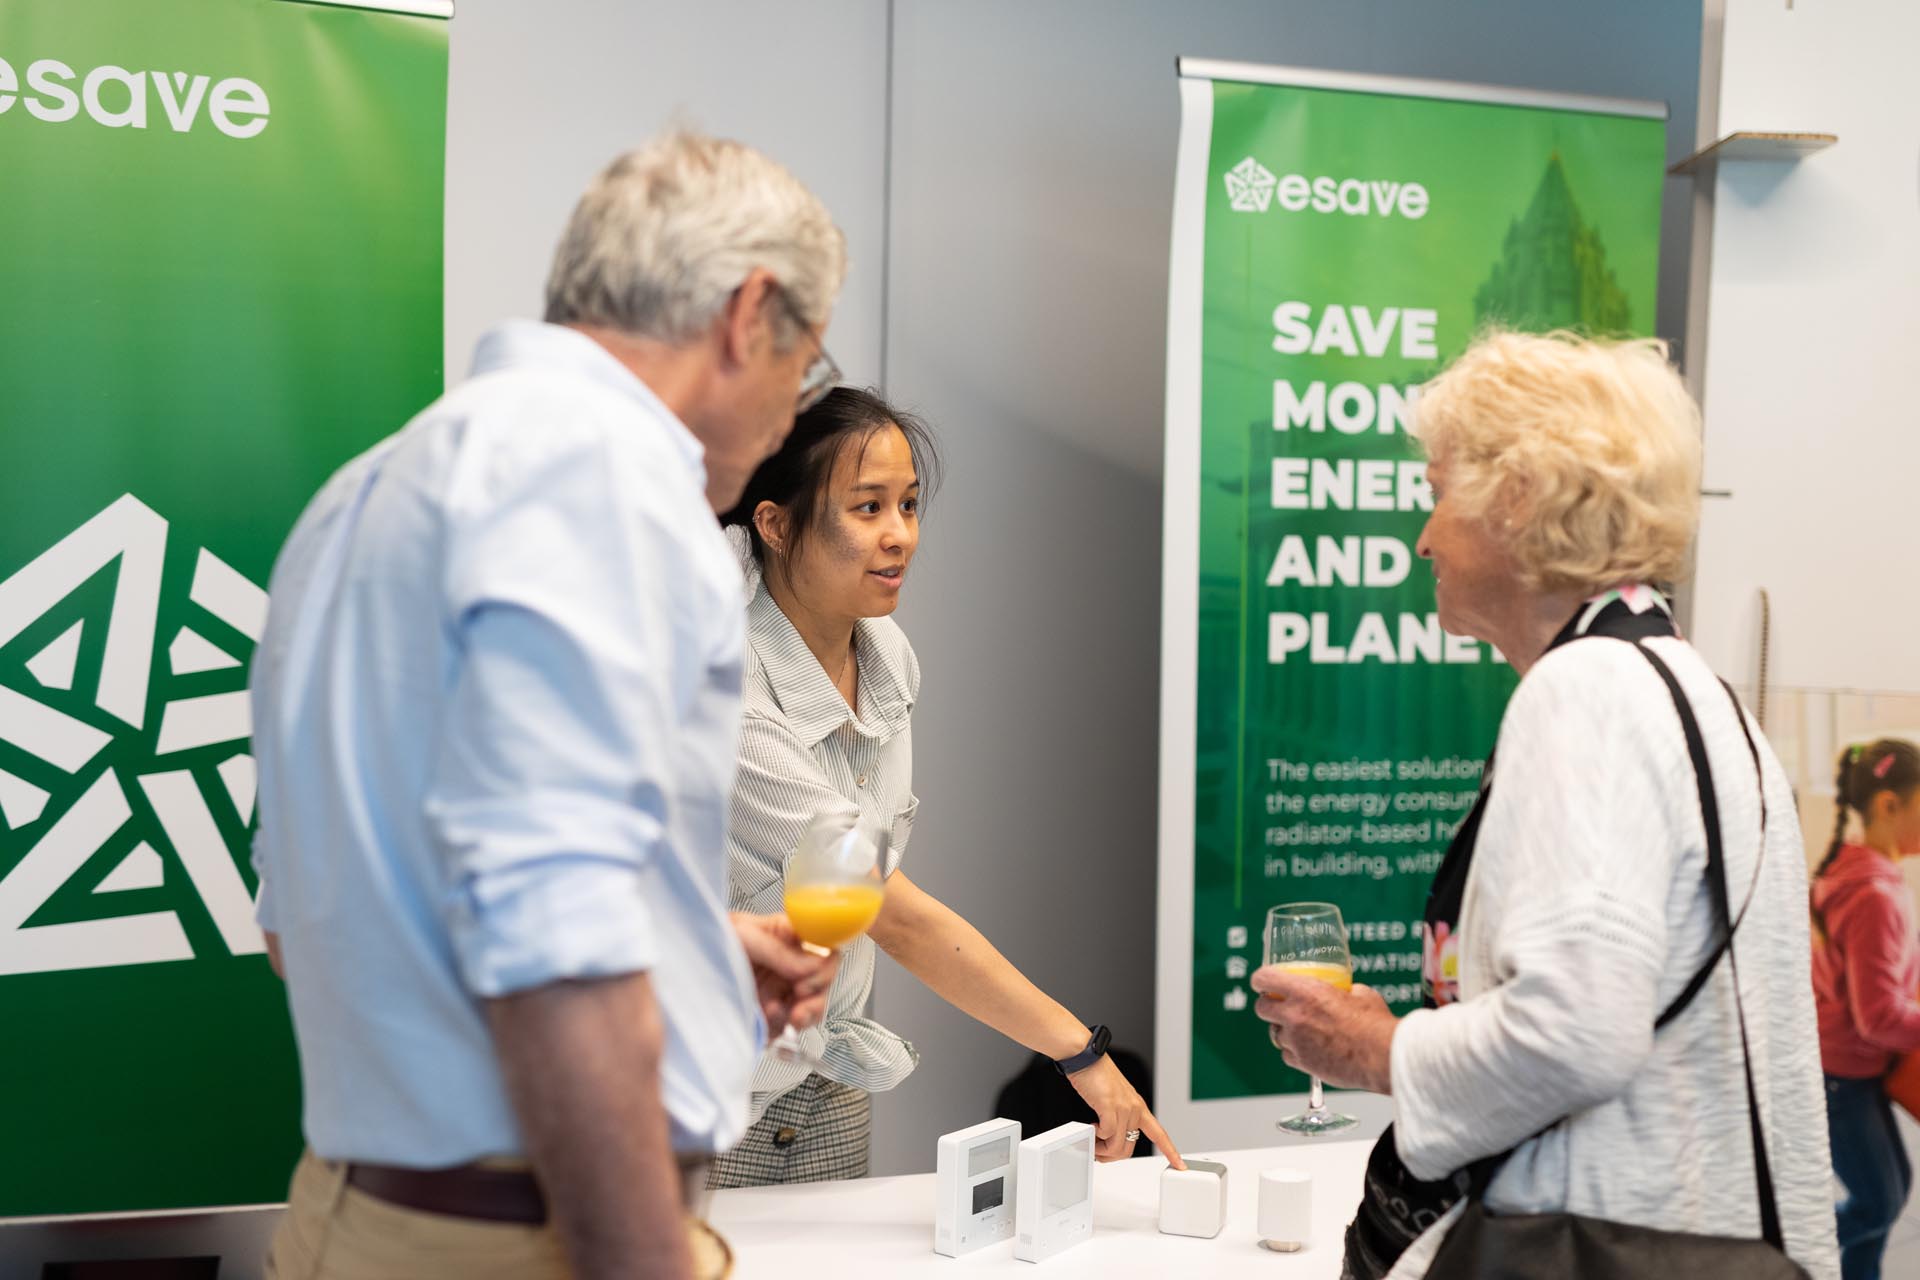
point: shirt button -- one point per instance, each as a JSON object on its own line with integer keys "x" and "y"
{"x": 784, "y": 1138}
{"x": 860, "y": 781}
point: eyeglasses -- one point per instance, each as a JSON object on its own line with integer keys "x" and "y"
{"x": 823, "y": 374}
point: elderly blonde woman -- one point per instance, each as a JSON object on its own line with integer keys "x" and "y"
{"x": 1574, "y": 905}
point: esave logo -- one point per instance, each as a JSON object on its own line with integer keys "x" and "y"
{"x": 1253, "y": 188}
{"x": 118, "y": 98}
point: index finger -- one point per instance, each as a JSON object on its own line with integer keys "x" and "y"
{"x": 1273, "y": 980}
{"x": 1161, "y": 1142}
{"x": 1362, "y": 989}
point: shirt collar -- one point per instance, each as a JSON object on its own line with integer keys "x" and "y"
{"x": 522, "y": 343}
{"x": 806, "y": 693}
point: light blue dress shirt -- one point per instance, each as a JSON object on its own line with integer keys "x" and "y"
{"x": 496, "y": 710}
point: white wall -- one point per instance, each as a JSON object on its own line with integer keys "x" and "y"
{"x": 1811, "y": 336}
{"x": 543, "y": 94}
{"x": 1032, "y": 202}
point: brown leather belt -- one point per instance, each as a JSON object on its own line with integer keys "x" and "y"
{"x": 465, "y": 1191}
{"x": 486, "y": 1192}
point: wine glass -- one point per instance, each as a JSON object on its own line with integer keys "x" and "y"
{"x": 1310, "y": 938}
{"x": 833, "y": 893}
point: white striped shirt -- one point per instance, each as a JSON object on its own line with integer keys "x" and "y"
{"x": 805, "y": 752}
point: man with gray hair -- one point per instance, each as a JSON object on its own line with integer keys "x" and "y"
{"x": 496, "y": 709}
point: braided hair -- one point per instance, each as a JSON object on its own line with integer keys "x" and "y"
{"x": 1865, "y": 770}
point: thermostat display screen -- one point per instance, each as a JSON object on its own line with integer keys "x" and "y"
{"x": 989, "y": 1155}
{"x": 990, "y": 1194}
{"x": 1066, "y": 1180}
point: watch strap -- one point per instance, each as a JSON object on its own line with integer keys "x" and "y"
{"x": 1099, "y": 1039}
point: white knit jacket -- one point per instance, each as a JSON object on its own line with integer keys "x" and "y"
{"x": 1585, "y": 913}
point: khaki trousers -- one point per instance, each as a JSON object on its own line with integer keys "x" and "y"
{"x": 332, "y": 1231}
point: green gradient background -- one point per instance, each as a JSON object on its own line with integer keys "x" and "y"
{"x": 1482, "y": 166}
{"x": 214, "y": 325}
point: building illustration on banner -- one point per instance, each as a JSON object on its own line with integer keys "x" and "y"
{"x": 1553, "y": 270}
{"x": 105, "y": 803}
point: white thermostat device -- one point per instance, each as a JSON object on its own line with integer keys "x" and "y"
{"x": 1056, "y": 1192}
{"x": 975, "y": 1171}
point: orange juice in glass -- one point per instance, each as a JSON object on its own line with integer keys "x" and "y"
{"x": 832, "y": 915}
{"x": 1310, "y": 939}
{"x": 1334, "y": 975}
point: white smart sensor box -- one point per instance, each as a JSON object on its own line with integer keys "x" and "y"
{"x": 1056, "y": 1192}
{"x": 976, "y": 1173}
{"x": 1193, "y": 1201}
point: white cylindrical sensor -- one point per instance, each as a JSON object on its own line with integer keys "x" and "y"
{"x": 1286, "y": 1209}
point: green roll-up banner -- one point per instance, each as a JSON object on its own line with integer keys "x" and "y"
{"x": 1337, "y": 240}
{"x": 220, "y": 277}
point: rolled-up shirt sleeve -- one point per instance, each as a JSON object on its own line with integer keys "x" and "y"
{"x": 546, "y": 803}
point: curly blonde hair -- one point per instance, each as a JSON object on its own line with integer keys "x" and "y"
{"x": 1590, "y": 447}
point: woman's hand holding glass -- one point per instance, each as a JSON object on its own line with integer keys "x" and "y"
{"x": 1319, "y": 1021}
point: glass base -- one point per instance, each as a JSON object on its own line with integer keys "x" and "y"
{"x": 1314, "y": 1123}
{"x": 786, "y": 1047}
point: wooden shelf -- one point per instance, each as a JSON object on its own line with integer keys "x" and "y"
{"x": 1775, "y": 148}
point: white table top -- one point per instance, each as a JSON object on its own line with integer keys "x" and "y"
{"x": 882, "y": 1228}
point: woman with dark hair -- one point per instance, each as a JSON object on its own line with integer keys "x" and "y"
{"x": 832, "y": 521}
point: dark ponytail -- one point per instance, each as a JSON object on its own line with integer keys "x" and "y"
{"x": 1886, "y": 764}
{"x": 1840, "y": 809}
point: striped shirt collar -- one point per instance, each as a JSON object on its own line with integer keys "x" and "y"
{"x": 806, "y": 693}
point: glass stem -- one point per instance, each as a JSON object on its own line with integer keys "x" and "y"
{"x": 1314, "y": 1101}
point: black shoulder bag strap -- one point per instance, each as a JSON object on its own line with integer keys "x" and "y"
{"x": 1717, "y": 890}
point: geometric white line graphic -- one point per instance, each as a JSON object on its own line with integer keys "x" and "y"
{"x": 39, "y": 730}
{"x": 140, "y": 869}
{"x": 21, "y": 802}
{"x": 199, "y": 722}
{"x": 183, "y": 813}
{"x": 242, "y": 778}
{"x": 222, "y": 591}
{"x": 134, "y": 533}
{"x": 191, "y": 653}
{"x": 129, "y": 539}
{"x": 53, "y": 665}
{"x": 142, "y": 939}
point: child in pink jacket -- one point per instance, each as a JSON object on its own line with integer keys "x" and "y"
{"x": 1866, "y": 986}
